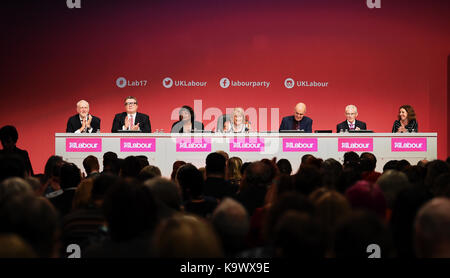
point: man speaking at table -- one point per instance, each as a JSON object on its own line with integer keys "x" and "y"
{"x": 131, "y": 120}
{"x": 351, "y": 112}
{"x": 83, "y": 122}
{"x": 298, "y": 121}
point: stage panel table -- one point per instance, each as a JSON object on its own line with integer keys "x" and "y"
{"x": 163, "y": 149}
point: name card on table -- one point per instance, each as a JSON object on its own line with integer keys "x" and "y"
{"x": 300, "y": 145}
{"x": 193, "y": 144}
{"x": 409, "y": 144}
{"x": 83, "y": 144}
{"x": 137, "y": 144}
{"x": 355, "y": 144}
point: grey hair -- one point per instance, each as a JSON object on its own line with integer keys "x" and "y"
{"x": 12, "y": 187}
{"x": 231, "y": 218}
{"x": 351, "y": 106}
{"x": 239, "y": 111}
{"x": 79, "y": 103}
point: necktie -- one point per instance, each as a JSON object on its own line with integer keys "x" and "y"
{"x": 130, "y": 121}
{"x": 352, "y": 126}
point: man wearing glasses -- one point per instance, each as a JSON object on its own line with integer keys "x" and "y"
{"x": 131, "y": 120}
{"x": 351, "y": 112}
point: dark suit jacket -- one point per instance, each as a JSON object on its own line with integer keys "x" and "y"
{"x": 142, "y": 119}
{"x": 22, "y": 154}
{"x": 288, "y": 123}
{"x": 74, "y": 123}
{"x": 177, "y": 127}
{"x": 219, "y": 188}
{"x": 344, "y": 125}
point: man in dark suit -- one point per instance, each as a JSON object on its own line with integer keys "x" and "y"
{"x": 351, "y": 112}
{"x": 83, "y": 122}
{"x": 131, "y": 119}
{"x": 298, "y": 121}
{"x": 9, "y": 137}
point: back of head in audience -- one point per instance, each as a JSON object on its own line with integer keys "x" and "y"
{"x": 131, "y": 167}
{"x": 370, "y": 161}
{"x": 441, "y": 186}
{"x": 70, "y": 175}
{"x": 357, "y": 231}
{"x": 13, "y": 246}
{"x": 35, "y": 220}
{"x": 403, "y": 164}
{"x": 234, "y": 165}
{"x": 351, "y": 158}
{"x": 284, "y": 166}
{"x": 330, "y": 206}
{"x": 12, "y": 187}
{"x": 149, "y": 172}
{"x": 111, "y": 163}
{"x": 390, "y": 165}
{"x": 432, "y": 229}
{"x": 287, "y": 201}
{"x": 176, "y": 165}
{"x": 166, "y": 191}
{"x": 298, "y": 235}
{"x": 8, "y": 137}
{"x": 434, "y": 169}
{"x": 101, "y": 186}
{"x": 392, "y": 182}
{"x": 331, "y": 172}
{"x": 82, "y": 198}
{"x": 307, "y": 179}
{"x": 244, "y": 167}
{"x": 130, "y": 210}
{"x": 143, "y": 160}
{"x": 231, "y": 222}
{"x": 365, "y": 195}
{"x": 215, "y": 165}
{"x": 91, "y": 165}
{"x": 186, "y": 236}
{"x": 52, "y": 167}
{"x": 191, "y": 182}
{"x": 225, "y": 154}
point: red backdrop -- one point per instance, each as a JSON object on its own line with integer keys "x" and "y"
{"x": 377, "y": 59}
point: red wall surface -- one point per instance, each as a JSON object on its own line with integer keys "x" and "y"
{"x": 377, "y": 59}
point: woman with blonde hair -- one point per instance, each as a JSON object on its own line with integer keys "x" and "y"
{"x": 234, "y": 165}
{"x": 238, "y": 124}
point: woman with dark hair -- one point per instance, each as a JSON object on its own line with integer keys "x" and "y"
{"x": 186, "y": 123}
{"x": 406, "y": 120}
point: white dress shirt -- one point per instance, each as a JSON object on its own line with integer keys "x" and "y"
{"x": 78, "y": 130}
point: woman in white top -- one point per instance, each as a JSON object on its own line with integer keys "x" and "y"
{"x": 238, "y": 124}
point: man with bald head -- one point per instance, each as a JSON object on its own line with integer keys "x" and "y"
{"x": 83, "y": 122}
{"x": 298, "y": 121}
{"x": 351, "y": 112}
{"x": 432, "y": 229}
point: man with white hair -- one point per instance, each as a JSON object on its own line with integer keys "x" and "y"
{"x": 83, "y": 122}
{"x": 351, "y": 112}
{"x": 432, "y": 229}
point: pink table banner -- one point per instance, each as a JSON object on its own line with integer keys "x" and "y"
{"x": 247, "y": 144}
{"x": 193, "y": 144}
{"x": 300, "y": 145}
{"x": 137, "y": 144}
{"x": 355, "y": 144}
{"x": 83, "y": 144}
{"x": 409, "y": 144}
